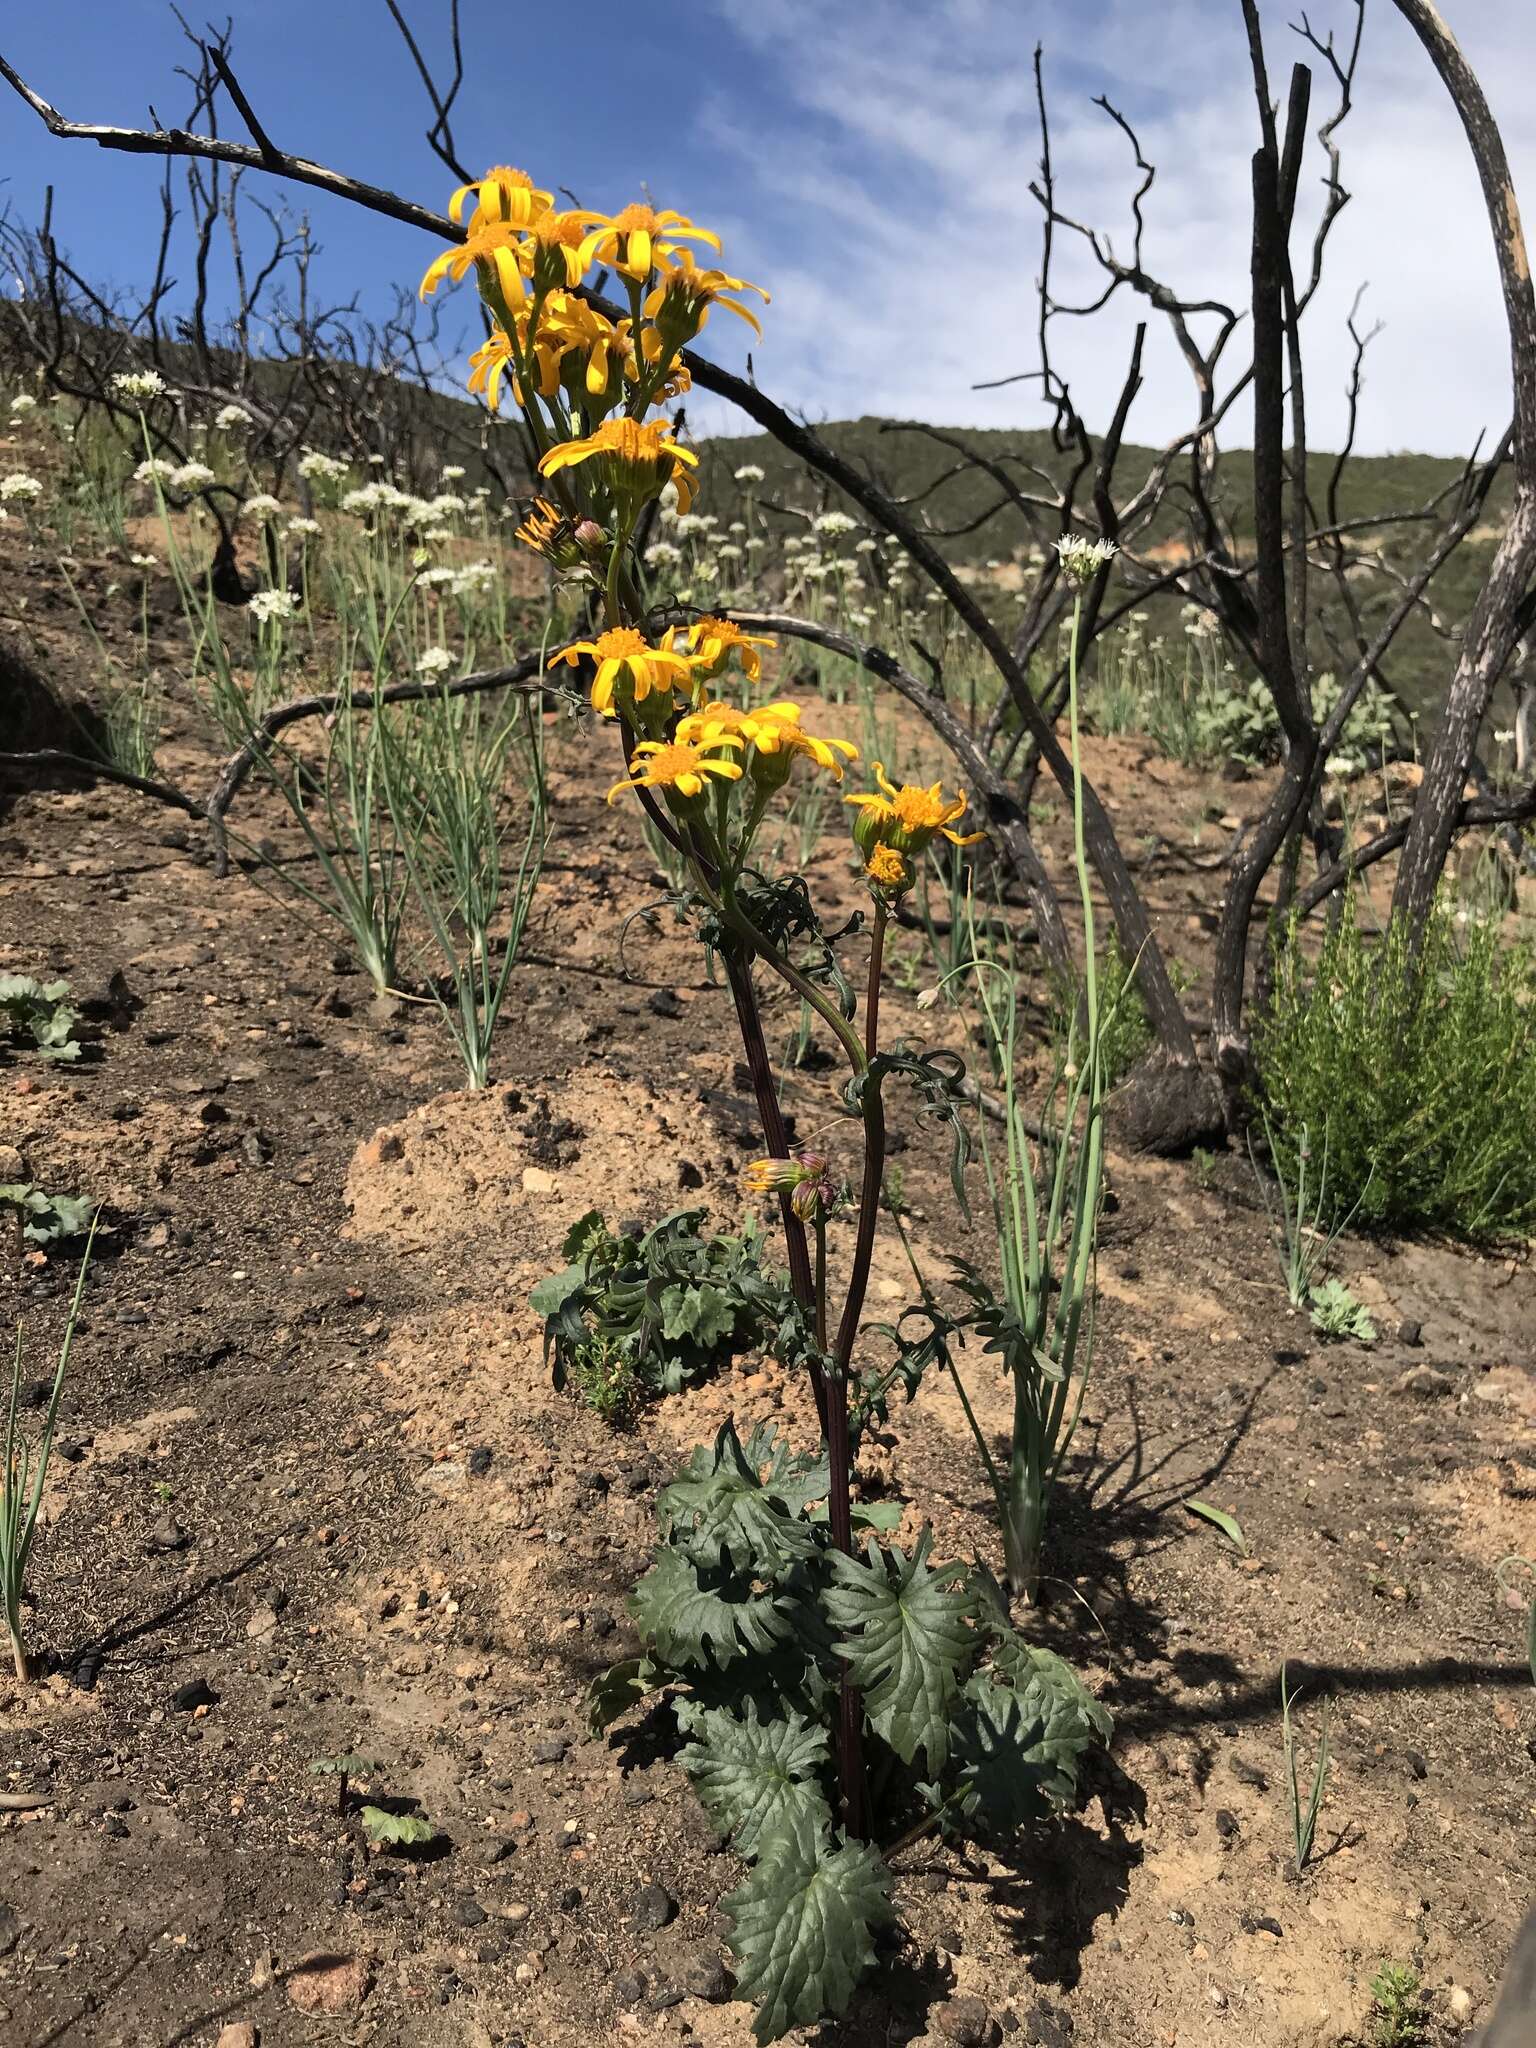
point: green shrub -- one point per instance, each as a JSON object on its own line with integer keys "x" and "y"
{"x": 637, "y": 1314}
{"x": 1422, "y": 1076}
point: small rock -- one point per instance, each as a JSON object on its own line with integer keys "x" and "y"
{"x": 10, "y": 1929}
{"x": 1045, "y": 2026}
{"x": 1410, "y": 1332}
{"x": 381, "y": 1149}
{"x": 238, "y": 2034}
{"x": 1261, "y": 1923}
{"x": 705, "y": 1976}
{"x": 663, "y": 1002}
{"x": 515, "y": 1912}
{"x": 329, "y": 1984}
{"x": 654, "y": 1908}
{"x": 570, "y": 1899}
{"x": 965, "y": 2021}
{"x": 554, "y": 1752}
{"x": 197, "y": 1692}
{"x": 480, "y": 1461}
{"x": 1227, "y": 1824}
{"x": 1462, "y": 2004}
{"x": 469, "y": 1913}
{"x": 537, "y": 1182}
{"x": 385, "y": 1010}
{"x": 497, "y": 1850}
{"x": 168, "y": 1535}
{"x": 1416, "y": 1763}
{"x": 261, "y": 1622}
{"x": 665, "y": 1996}
{"x": 1425, "y": 1383}
{"x": 630, "y": 1988}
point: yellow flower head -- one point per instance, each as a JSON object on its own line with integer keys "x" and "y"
{"x": 623, "y": 655}
{"x": 488, "y": 365}
{"x": 640, "y": 239}
{"x": 906, "y": 818}
{"x": 889, "y": 870}
{"x": 495, "y": 250}
{"x": 640, "y": 460}
{"x": 773, "y": 732}
{"x": 547, "y": 530}
{"x": 501, "y": 195}
{"x": 676, "y": 769}
{"x": 806, "y": 1179}
{"x": 714, "y": 641}
{"x": 569, "y": 326}
{"x": 551, "y": 254}
{"x": 680, "y": 302}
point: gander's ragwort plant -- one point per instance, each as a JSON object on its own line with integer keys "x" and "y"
{"x": 840, "y": 1705}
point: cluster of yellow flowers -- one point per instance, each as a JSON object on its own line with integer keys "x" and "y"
{"x": 584, "y": 382}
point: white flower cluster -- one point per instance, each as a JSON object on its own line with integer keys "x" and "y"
{"x": 302, "y": 528}
{"x": 666, "y": 501}
{"x": 192, "y": 476}
{"x": 452, "y": 471}
{"x": 433, "y": 661}
{"x": 23, "y": 402}
{"x": 139, "y": 384}
{"x": 154, "y": 470}
{"x": 464, "y": 582}
{"x": 261, "y": 506}
{"x": 728, "y": 552}
{"x": 662, "y": 555}
{"x": 834, "y": 523}
{"x": 232, "y": 419}
{"x": 1082, "y": 559}
{"x": 749, "y": 473}
{"x": 144, "y": 561}
{"x": 268, "y": 605}
{"x": 19, "y": 485}
{"x": 317, "y": 468}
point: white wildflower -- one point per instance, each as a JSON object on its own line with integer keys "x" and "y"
{"x": 662, "y": 555}
{"x": 317, "y": 468}
{"x": 433, "y": 661}
{"x": 19, "y": 485}
{"x": 301, "y": 529}
{"x": 23, "y": 402}
{"x": 452, "y": 471}
{"x": 756, "y": 544}
{"x": 728, "y": 552}
{"x": 437, "y": 535}
{"x": 926, "y": 998}
{"x": 138, "y": 384}
{"x": 262, "y": 506}
{"x": 866, "y": 546}
{"x": 156, "y": 470}
{"x": 192, "y": 476}
{"x": 232, "y": 419}
{"x": 749, "y": 473}
{"x": 268, "y": 605}
{"x": 144, "y": 561}
{"x": 1082, "y": 559}
{"x": 737, "y": 526}
{"x": 834, "y": 523}
{"x": 666, "y": 501}
{"x": 688, "y": 523}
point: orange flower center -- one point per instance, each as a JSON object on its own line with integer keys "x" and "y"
{"x": 619, "y": 643}
{"x": 636, "y": 218}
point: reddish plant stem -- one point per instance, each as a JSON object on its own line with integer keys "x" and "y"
{"x": 850, "y": 1747}
{"x": 770, "y": 1113}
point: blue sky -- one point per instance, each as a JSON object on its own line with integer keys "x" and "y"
{"x": 869, "y": 163}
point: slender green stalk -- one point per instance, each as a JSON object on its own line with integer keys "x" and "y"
{"x": 1304, "y": 1819}
{"x": 24, "y": 1472}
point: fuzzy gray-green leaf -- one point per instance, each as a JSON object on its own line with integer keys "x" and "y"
{"x": 803, "y": 1925}
{"x": 751, "y": 1774}
{"x": 687, "y": 1621}
{"x": 718, "y": 1506}
{"x": 907, "y": 1640}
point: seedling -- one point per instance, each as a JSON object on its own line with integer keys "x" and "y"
{"x": 41, "y": 1011}
{"x": 1229, "y": 1525}
{"x": 1337, "y": 1313}
{"x": 1397, "y": 2021}
{"x": 1304, "y": 1818}
{"x": 41, "y": 1218}
{"x": 395, "y": 1830}
{"x": 343, "y": 1769}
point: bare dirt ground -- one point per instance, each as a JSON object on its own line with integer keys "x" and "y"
{"x": 315, "y": 1493}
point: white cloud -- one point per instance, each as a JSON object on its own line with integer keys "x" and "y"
{"x": 892, "y": 148}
